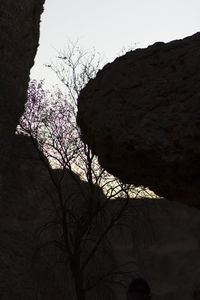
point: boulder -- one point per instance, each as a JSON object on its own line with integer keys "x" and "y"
{"x": 141, "y": 116}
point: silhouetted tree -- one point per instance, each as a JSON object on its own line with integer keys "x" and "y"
{"x": 85, "y": 215}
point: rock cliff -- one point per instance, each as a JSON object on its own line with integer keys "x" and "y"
{"x": 19, "y": 27}
{"x": 140, "y": 115}
{"x": 19, "y": 30}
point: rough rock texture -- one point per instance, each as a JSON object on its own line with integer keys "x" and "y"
{"x": 19, "y": 28}
{"x": 165, "y": 238}
{"x": 140, "y": 115}
{"x": 19, "y": 31}
{"x": 163, "y": 244}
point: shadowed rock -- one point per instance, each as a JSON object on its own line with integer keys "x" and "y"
{"x": 19, "y": 31}
{"x": 140, "y": 115}
{"x": 26, "y": 194}
{"x": 19, "y": 28}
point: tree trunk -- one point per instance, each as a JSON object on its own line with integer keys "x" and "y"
{"x": 80, "y": 292}
{"x": 78, "y": 274}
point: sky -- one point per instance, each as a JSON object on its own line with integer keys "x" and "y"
{"x": 111, "y": 25}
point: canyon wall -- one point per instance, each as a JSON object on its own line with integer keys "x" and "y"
{"x": 19, "y": 29}
{"x": 163, "y": 237}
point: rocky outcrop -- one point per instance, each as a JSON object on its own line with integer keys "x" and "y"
{"x": 19, "y": 30}
{"x": 19, "y": 27}
{"x": 140, "y": 115}
{"x": 27, "y": 197}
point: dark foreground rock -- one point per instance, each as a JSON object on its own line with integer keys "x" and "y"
{"x": 19, "y": 31}
{"x": 156, "y": 239}
{"x": 141, "y": 116}
{"x": 162, "y": 240}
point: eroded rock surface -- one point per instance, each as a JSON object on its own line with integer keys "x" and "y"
{"x": 140, "y": 115}
{"x": 19, "y": 31}
{"x": 19, "y": 28}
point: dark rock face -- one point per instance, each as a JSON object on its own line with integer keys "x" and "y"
{"x": 19, "y": 27}
{"x": 19, "y": 31}
{"x": 27, "y": 194}
{"x": 28, "y": 202}
{"x": 140, "y": 115}
{"x": 163, "y": 241}
{"x": 23, "y": 210}
{"x": 161, "y": 238}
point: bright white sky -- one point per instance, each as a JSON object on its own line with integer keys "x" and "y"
{"x": 110, "y": 25}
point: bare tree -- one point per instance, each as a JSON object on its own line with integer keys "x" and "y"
{"x": 84, "y": 213}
